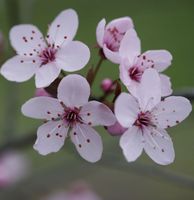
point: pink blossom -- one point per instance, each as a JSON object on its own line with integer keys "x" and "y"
{"x": 70, "y": 114}
{"x": 147, "y": 117}
{"x": 41, "y": 92}
{"x": 78, "y": 191}
{"x": 107, "y": 85}
{"x": 116, "y": 129}
{"x": 134, "y": 64}
{"x": 110, "y": 36}
{"x": 46, "y": 58}
{"x": 13, "y": 167}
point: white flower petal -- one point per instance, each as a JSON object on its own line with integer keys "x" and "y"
{"x": 27, "y": 40}
{"x": 162, "y": 58}
{"x": 159, "y": 146}
{"x": 100, "y": 32}
{"x": 148, "y": 92}
{"x": 74, "y": 90}
{"x": 95, "y": 113}
{"x": 111, "y": 55}
{"x": 19, "y": 68}
{"x": 42, "y": 108}
{"x": 63, "y": 28}
{"x": 73, "y": 56}
{"x": 87, "y": 142}
{"x": 166, "y": 85}
{"x": 130, "y": 46}
{"x": 126, "y": 109}
{"x": 122, "y": 24}
{"x": 131, "y": 143}
{"x": 51, "y": 137}
{"x": 171, "y": 111}
{"x": 46, "y": 74}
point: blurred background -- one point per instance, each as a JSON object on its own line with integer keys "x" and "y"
{"x": 166, "y": 24}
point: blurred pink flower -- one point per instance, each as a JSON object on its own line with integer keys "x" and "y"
{"x": 46, "y": 58}
{"x": 107, "y": 85}
{"x": 147, "y": 117}
{"x": 72, "y": 113}
{"x": 110, "y": 36}
{"x": 134, "y": 64}
{"x": 41, "y": 92}
{"x": 13, "y": 167}
{"x": 79, "y": 191}
{"x": 116, "y": 129}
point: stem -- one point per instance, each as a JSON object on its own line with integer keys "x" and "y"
{"x": 96, "y": 70}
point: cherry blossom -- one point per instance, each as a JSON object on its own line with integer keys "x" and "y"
{"x": 147, "y": 117}
{"x": 116, "y": 129}
{"x": 13, "y": 167}
{"x": 45, "y": 58}
{"x": 78, "y": 191}
{"x": 71, "y": 114}
{"x": 110, "y": 36}
{"x": 134, "y": 64}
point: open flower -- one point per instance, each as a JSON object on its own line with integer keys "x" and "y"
{"x": 72, "y": 113}
{"x": 134, "y": 64}
{"x": 46, "y": 58}
{"x": 147, "y": 117}
{"x": 109, "y": 36}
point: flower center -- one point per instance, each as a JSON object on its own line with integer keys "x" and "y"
{"x": 135, "y": 73}
{"x": 143, "y": 119}
{"x": 71, "y": 116}
{"x": 48, "y": 55}
{"x": 113, "y": 38}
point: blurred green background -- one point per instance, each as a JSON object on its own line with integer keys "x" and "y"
{"x": 161, "y": 24}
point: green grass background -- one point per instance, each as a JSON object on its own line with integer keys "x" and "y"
{"x": 161, "y": 24}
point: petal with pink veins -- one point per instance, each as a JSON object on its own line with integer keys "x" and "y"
{"x": 171, "y": 111}
{"x": 148, "y": 92}
{"x": 63, "y": 28}
{"x": 27, "y": 40}
{"x": 132, "y": 143}
{"x": 19, "y": 68}
{"x": 159, "y": 146}
{"x": 73, "y": 56}
{"x": 95, "y": 114}
{"x": 126, "y": 109}
{"x": 162, "y": 59}
{"x": 87, "y": 142}
{"x": 100, "y": 30}
{"x": 166, "y": 85}
{"x": 42, "y": 108}
{"x": 46, "y": 74}
{"x": 74, "y": 90}
{"x": 130, "y": 46}
{"x": 51, "y": 137}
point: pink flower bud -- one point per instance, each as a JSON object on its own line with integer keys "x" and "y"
{"x": 107, "y": 85}
{"x": 116, "y": 129}
{"x": 41, "y": 92}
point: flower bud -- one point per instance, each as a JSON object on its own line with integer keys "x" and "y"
{"x": 107, "y": 85}
{"x": 116, "y": 129}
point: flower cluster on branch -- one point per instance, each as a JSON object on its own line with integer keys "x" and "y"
{"x": 140, "y": 116}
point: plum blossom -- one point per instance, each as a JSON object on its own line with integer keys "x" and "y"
{"x": 109, "y": 36}
{"x": 71, "y": 114}
{"x": 41, "y": 92}
{"x": 13, "y": 167}
{"x": 134, "y": 64}
{"x": 116, "y": 129}
{"x": 78, "y": 191}
{"x": 45, "y": 58}
{"x": 147, "y": 117}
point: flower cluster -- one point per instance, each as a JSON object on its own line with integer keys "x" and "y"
{"x": 63, "y": 101}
